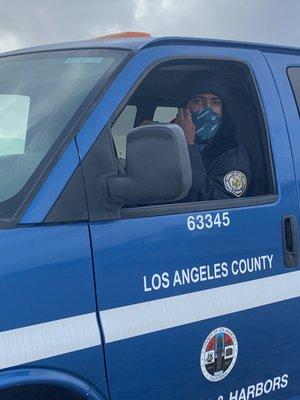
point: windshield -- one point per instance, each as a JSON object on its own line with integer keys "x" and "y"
{"x": 39, "y": 95}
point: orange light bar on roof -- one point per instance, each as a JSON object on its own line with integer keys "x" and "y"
{"x": 124, "y": 35}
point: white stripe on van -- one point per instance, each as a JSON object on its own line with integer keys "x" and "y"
{"x": 36, "y": 342}
{"x": 156, "y": 315}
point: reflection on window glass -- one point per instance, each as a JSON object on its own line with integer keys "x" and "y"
{"x": 123, "y": 124}
{"x": 14, "y": 110}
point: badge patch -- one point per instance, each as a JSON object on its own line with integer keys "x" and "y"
{"x": 218, "y": 354}
{"x": 235, "y": 182}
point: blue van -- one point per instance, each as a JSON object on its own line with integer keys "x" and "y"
{"x": 115, "y": 282}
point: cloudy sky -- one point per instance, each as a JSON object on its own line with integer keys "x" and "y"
{"x": 29, "y": 22}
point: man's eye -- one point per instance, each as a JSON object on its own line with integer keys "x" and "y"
{"x": 216, "y": 102}
{"x": 198, "y": 101}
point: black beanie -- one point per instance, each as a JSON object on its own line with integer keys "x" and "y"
{"x": 205, "y": 82}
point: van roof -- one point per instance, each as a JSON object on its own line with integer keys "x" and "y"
{"x": 136, "y": 44}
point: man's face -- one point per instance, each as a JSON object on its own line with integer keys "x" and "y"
{"x": 202, "y": 100}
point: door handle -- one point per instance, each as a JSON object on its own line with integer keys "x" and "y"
{"x": 290, "y": 241}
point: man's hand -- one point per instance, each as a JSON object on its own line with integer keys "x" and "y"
{"x": 184, "y": 120}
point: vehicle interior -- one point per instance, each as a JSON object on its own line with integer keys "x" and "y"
{"x": 159, "y": 95}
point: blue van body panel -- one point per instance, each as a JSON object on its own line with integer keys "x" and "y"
{"x": 145, "y": 240}
{"x": 46, "y": 289}
{"x": 167, "y": 362}
{"x": 86, "y": 365}
{"x": 96, "y": 306}
{"x": 161, "y": 365}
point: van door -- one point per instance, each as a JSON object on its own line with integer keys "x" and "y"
{"x": 198, "y": 304}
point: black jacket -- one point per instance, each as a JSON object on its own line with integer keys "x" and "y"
{"x": 222, "y": 169}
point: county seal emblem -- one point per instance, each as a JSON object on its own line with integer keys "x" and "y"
{"x": 219, "y": 353}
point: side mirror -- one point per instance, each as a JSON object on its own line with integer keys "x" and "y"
{"x": 158, "y": 168}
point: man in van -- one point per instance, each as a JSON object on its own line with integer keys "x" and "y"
{"x": 220, "y": 165}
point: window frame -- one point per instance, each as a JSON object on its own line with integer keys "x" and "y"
{"x": 181, "y": 208}
{"x": 297, "y": 101}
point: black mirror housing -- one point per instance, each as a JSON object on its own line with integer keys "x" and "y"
{"x": 158, "y": 167}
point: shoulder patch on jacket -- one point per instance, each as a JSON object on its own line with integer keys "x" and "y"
{"x": 235, "y": 182}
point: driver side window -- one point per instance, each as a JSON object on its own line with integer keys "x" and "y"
{"x": 232, "y": 164}
{"x": 231, "y": 160}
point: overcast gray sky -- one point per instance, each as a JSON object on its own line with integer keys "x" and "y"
{"x": 29, "y": 22}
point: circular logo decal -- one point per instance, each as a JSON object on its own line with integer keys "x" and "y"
{"x": 235, "y": 182}
{"x": 219, "y": 353}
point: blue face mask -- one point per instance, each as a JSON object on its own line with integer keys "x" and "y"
{"x": 207, "y": 124}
